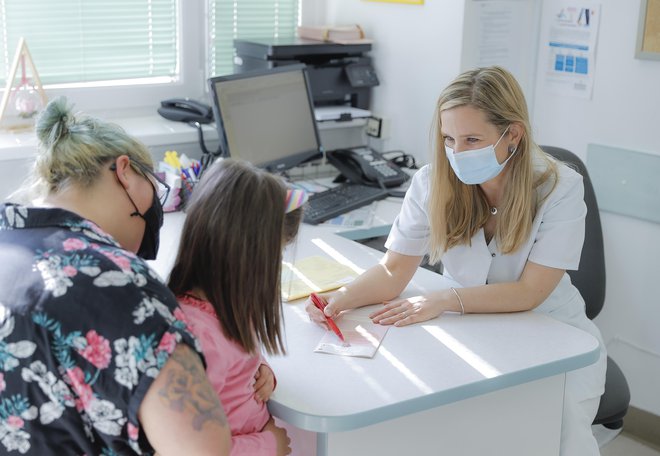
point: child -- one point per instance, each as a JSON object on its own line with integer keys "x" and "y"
{"x": 227, "y": 279}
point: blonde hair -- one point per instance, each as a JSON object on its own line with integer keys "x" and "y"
{"x": 73, "y": 149}
{"x": 458, "y": 211}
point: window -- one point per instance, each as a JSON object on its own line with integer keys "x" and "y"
{"x": 229, "y": 19}
{"x": 75, "y": 42}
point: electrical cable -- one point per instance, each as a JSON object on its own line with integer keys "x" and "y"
{"x": 403, "y": 160}
{"x": 393, "y": 193}
{"x": 207, "y": 156}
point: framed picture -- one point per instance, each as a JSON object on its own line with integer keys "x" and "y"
{"x": 21, "y": 102}
{"x": 648, "y": 34}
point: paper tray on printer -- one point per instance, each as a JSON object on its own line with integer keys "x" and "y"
{"x": 324, "y": 113}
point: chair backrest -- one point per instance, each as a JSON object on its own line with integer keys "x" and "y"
{"x": 589, "y": 279}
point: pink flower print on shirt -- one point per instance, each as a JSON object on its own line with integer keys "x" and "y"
{"x": 69, "y": 271}
{"x": 15, "y": 422}
{"x": 73, "y": 244}
{"x": 167, "y": 343}
{"x": 121, "y": 261}
{"x": 133, "y": 431}
{"x": 97, "y": 351}
{"x": 3, "y": 385}
{"x": 180, "y": 315}
{"x": 76, "y": 379}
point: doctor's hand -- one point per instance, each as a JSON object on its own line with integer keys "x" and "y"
{"x": 331, "y": 309}
{"x": 401, "y": 312}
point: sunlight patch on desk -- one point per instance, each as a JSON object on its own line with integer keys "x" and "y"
{"x": 367, "y": 335}
{"x": 467, "y": 355}
{"x": 368, "y": 379}
{"x": 415, "y": 380}
{"x": 335, "y": 255}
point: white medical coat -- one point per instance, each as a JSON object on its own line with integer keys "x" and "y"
{"x": 555, "y": 241}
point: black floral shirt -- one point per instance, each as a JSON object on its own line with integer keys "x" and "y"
{"x": 85, "y": 327}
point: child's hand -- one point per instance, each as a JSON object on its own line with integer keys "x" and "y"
{"x": 281, "y": 437}
{"x": 264, "y": 383}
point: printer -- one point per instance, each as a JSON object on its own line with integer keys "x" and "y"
{"x": 339, "y": 74}
{"x": 341, "y": 77}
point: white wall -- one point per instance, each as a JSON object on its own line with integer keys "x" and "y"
{"x": 416, "y": 52}
{"x": 624, "y": 112}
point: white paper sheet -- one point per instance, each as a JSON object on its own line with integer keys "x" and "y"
{"x": 362, "y": 338}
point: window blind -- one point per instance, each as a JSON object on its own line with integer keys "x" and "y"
{"x": 73, "y": 41}
{"x": 230, "y": 19}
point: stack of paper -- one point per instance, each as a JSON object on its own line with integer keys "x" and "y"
{"x": 326, "y": 113}
{"x": 342, "y": 34}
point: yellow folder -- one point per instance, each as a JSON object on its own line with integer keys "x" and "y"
{"x": 313, "y": 274}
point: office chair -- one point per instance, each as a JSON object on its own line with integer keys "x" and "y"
{"x": 589, "y": 279}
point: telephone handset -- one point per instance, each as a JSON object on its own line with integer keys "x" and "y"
{"x": 361, "y": 165}
{"x": 185, "y": 110}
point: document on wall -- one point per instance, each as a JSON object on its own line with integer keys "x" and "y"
{"x": 504, "y": 33}
{"x": 572, "y": 36}
{"x": 362, "y": 337}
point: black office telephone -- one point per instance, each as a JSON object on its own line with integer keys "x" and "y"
{"x": 362, "y": 165}
{"x": 186, "y": 110}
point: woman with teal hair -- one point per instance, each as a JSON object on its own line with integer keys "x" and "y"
{"x": 96, "y": 356}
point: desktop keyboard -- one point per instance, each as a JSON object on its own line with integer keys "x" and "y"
{"x": 338, "y": 200}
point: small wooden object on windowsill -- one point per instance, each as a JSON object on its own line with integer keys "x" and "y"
{"x": 28, "y": 96}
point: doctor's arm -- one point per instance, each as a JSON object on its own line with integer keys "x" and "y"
{"x": 382, "y": 282}
{"x": 562, "y": 225}
{"x": 534, "y": 286}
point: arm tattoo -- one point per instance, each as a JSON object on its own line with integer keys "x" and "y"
{"x": 188, "y": 391}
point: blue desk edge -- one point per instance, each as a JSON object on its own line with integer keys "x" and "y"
{"x": 325, "y": 424}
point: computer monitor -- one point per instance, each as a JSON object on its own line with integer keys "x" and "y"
{"x": 266, "y": 117}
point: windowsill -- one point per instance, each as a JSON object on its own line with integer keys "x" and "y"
{"x": 144, "y": 124}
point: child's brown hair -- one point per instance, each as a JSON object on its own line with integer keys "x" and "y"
{"x": 231, "y": 250}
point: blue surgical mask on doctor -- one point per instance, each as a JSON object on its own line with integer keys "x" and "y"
{"x": 477, "y": 166}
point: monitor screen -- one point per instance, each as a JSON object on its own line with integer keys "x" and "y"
{"x": 266, "y": 117}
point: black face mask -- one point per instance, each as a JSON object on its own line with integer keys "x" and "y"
{"x": 153, "y": 221}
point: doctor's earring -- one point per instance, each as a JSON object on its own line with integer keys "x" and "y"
{"x": 512, "y": 148}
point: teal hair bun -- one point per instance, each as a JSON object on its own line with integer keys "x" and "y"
{"x": 53, "y": 122}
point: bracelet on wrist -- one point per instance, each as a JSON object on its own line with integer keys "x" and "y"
{"x": 460, "y": 301}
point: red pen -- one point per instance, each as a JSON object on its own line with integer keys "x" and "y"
{"x": 320, "y": 304}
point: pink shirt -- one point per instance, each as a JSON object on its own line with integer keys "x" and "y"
{"x": 231, "y": 371}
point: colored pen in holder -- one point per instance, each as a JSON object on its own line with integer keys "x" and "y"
{"x": 187, "y": 187}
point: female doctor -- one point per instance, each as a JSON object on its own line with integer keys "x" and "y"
{"x": 505, "y": 219}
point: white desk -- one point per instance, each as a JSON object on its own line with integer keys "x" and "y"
{"x": 456, "y": 385}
